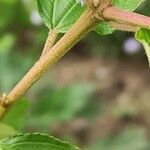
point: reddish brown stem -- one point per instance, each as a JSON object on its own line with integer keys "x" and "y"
{"x": 124, "y": 26}
{"x": 116, "y": 14}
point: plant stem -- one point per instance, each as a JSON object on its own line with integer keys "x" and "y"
{"x": 2, "y": 111}
{"x": 116, "y": 14}
{"x": 83, "y": 26}
{"x": 51, "y": 54}
{"x": 51, "y": 39}
{"x": 124, "y": 26}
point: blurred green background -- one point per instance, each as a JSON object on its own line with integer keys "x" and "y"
{"x": 97, "y": 96}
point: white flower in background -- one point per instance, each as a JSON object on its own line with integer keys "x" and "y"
{"x": 35, "y": 18}
{"x": 131, "y": 46}
{"x": 81, "y": 1}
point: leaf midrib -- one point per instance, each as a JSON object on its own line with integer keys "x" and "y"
{"x": 66, "y": 14}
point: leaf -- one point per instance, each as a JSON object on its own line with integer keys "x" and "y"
{"x": 35, "y": 142}
{"x": 6, "y": 131}
{"x": 129, "y": 5}
{"x": 143, "y": 36}
{"x": 59, "y": 14}
{"x": 16, "y": 117}
{"x": 104, "y": 28}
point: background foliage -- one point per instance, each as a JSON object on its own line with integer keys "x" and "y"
{"x": 82, "y": 100}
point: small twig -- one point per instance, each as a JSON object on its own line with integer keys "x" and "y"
{"x": 51, "y": 39}
{"x": 2, "y": 105}
{"x": 2, "y": 111}
{"x": 83, "y": 26}
{"x": 116, "y": 14}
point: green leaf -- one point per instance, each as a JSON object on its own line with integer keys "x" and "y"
{"x": 59, "y": 14}
{"x": 35, "y": 142}
{"x": 143, "y": 36}
{"x": 16, "y": 117}
{"x": 104, "y": 28}
{"x": 6, "y": 131}
{"x": 129, "y": 5}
